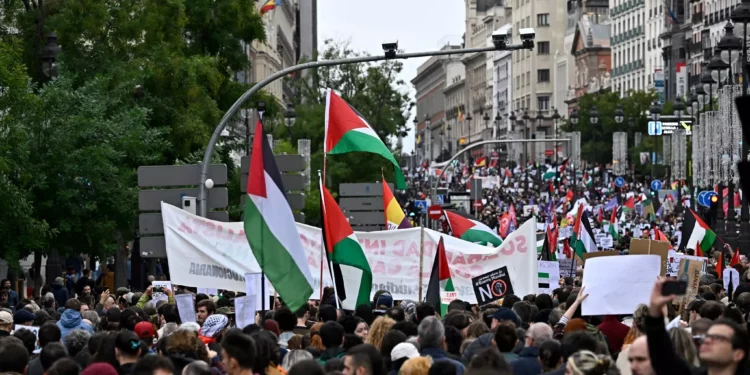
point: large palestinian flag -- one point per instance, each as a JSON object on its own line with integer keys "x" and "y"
{"x": 270, "y": 228}
{"x": 696, "y": 231}
{"x": 471, "y": 230}
{"x": 440, "y": 290}
{"x": 351, "y": 270}
{"x": 347, "y": 131}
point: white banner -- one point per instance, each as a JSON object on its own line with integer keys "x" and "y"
{"x": 206, "y": 253}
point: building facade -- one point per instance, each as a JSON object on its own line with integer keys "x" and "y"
{"x": 277, "y": 52}
{"x": 592, "y": 54}
{"x": 628, "y": 41}
{"x": 431, "y": 80}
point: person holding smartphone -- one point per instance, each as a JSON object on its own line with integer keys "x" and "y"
{"x": 724, "y": 349}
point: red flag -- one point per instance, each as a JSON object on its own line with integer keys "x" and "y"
{"x": 720, "y": 264}
{"x": 613, "y": 219}
{"x": 577, "y": 225}
{"x": 512, "y": 213}
{"x": 551, "y": 187}
{"x": 601, "y": 215}
{"x": 566, "y": 249}
{"x": 735, "y": 258}
{"x": 698, "y": 250}
{"x": 660, "y": 236}
{"x": 504, "y": 224}
{"x": 569, "y": 195}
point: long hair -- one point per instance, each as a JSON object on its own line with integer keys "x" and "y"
{"x": 683, "y": 345}
{"x": 379, "y": 328}
{"x": 315, "y": 341}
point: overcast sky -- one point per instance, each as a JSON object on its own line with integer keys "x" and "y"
{"x": 418, "y": 25}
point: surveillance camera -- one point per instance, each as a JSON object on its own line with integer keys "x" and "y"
{"x": 527, "y": 33}
{"x": 500, "y": 36}
{"x": 390, "y": 46}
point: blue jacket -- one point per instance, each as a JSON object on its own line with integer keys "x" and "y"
{"x": 61, "y": 294}
{"x": 71, "y": 320}
{"x": 12, "y": 298}
{"x": 439, "y": 355}
{"x": 527, "y": 362}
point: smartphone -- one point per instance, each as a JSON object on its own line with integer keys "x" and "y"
{"x": 674, "y": 287}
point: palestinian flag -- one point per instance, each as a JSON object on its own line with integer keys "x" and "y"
{"x": 347, "y": 131}
{"x": 566, "y": 249}
{"x": 629, "y": 204}
{"x": 584, "y": 235}
{"x": 440, "y": 290}
{"x": 270, "y": 228}
{"x": 735, "y": 258}
{"x": 541, "y": 238}
{"x": 696, "y": 231}
{"x": 550, "y": 174}
{"x": 394, "y": 215}
{"x": 648, "y": 210}
{"x": 660, "y": 236}
{"x": 614, "y": 229}
{"x": 549, "y": 248}
{"x": 471, "y": 230}
{"x": 351, "y": 270}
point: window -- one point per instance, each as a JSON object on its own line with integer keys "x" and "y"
{"x": 542, "y": 19}
{"x": 542, "y": 48}
{"x": 542, "y": 75}
{"x": 542, "y": 103}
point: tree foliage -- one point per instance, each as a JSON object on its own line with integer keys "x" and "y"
{"x": 596, "y": 139}
{"x": 140, "y": 82}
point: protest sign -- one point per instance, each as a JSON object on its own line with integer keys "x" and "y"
{"x": 690, "y": 270}
{"x": 597, "y": 254}
{"x": 618, "y": 284}
{"x": 244, "y": 311}
{"x": 549, "y": 276}
{"x": 204, "y": 252}
{"x": 208, "y": 291}
{"x": 673, "y": 267}
{"x": 730, "y": 274}
{"x": 567, "y": 267}
{"x": 492, "y": 286}
{"x": 158, "y": 290}
{"x": 660, "y": 248}
{"x": 185, "y": 307}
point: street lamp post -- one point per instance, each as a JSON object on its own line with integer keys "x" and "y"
{"x": 593, "y": 119}
{"x": 428, "y": 136}
{"x": 655, "y": 111}
{"x": 527, "y": 120}
{"x": 708, "y": 81}
{"x": 555, "y": 119}
{"x": 538, "y": 122}
{"x": 717, "y": 66}
{"x": 289, "y": 117}
{"x": 49, "y": 56}
{"x": 679, "y": 110}
{"x": 486, "y": 119}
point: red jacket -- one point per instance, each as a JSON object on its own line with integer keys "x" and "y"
{"x": 615, "y": 332}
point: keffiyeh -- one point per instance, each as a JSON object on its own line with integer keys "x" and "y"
{"x": 213, "y": 325}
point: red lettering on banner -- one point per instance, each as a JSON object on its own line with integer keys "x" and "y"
{"x": 521, "y": 242}
{"x": 399, "y": 248}
{"x": 459, "y": 259}
{"x": 474, "y": 258}
{"x": 508, "y": 250}
{"x": 373, "y": 246}
{"x": 379, "y": 268}
{"x": 413, "y": 250}
{"x": 185, "y": 228}
{"x": 395, "y": 269}
{"x": 209, "y": 228}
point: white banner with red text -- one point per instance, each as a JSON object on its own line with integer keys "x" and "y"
{"x": 212, "y": 254}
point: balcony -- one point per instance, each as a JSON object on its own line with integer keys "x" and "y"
{"x": 696, "y": 48}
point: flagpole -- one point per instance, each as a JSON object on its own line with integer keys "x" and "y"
{"x": 322, "y": 248}
{"x": 421, "y": 257}
{"x": 262, "y": 274}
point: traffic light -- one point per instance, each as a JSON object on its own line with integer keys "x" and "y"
{"x": 653, "y": 193}
{"x": 713, "y": 206}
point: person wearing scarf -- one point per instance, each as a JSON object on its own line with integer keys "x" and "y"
{"x": 212, "y": 331}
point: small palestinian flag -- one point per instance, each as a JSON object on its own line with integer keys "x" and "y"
{"x": 440, "y": 290}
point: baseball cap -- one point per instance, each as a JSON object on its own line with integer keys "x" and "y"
{"x": 23, "y": 316}
{"x": 6, "y": 317}
{"x": 404, "y": 350}
{"x": 505, "y": 314}
{"x": 145, "y": 330}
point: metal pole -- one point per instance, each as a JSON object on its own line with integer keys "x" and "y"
{"x": 433, "y": 187}
{"x": 310, "y": 65}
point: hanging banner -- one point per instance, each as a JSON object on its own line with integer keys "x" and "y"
{"x": 206, "y": 253}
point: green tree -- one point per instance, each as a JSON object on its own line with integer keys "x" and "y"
{"x": 596, "y": 139}
{"x": 374, "y": 90}
{"x": 21, "y": 230}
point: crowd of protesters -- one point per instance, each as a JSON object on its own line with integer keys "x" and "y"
{"x": 130, "y": 333}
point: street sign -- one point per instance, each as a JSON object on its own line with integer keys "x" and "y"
{"x": 656, "y": 185}
{"x": 435, "y": 212}
{"x": 478, "y": 204}
{"x": 701, "y": 198}
{"x": 422, "y": 205}
{"x": 619, "y": 182}
{"x": 654, "y": 128}
{"x": 439, "y": 199}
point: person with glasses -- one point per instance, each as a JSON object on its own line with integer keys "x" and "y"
{"x": 724, "y": 349}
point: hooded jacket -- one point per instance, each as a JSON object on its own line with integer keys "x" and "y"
{"x": 598, "y": 335}
{"x": 71, "y": 320}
